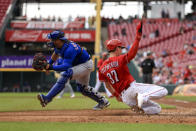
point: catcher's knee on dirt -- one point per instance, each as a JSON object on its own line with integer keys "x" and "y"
{"x": 60, "y": 84}
{"x": 89, "y": 91}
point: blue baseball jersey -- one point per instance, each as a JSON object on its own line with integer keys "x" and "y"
{"x": 59, "y": 61}
{"x": 72, "y": 55}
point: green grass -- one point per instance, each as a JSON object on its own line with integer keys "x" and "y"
{"x": 184, "y": 98}
{"x": 29, "y": 102}
{"x": 165, "y": 106}
{"x": 60, "y": 126}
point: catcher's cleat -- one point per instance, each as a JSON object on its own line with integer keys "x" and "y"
{"x": 101, "y": 106}
{"x": 43, "y": 102}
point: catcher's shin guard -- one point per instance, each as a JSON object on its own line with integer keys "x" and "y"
{"x": 60, "y": 84}
{"x": 89, "y": 91}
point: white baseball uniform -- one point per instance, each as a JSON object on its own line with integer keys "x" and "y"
{"x": 149, "y": 92}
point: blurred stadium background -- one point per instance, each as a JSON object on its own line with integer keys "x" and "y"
{"x": 169, "y": 33}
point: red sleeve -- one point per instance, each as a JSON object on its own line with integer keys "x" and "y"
{"x": 123, "y": 59}
{"x": 133, "y": 50}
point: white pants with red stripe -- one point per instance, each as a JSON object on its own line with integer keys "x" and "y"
{"x": 149, "y": 92}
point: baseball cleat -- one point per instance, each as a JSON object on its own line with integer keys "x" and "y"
{"x": 139, "y": 100}
{"x": 134, "y": 108}
{"x": 101, "y": 106}
{"x": 72, "y": 96}
{"x": 40, "y": 97}
{"x": 138, "y": 110}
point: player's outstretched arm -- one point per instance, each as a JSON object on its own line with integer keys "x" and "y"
{"x": 133, "y": 50}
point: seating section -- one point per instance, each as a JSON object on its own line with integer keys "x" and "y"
{"x": 165, "y": 30}
{"x": 173, "y": 45}
{"x": 78, "y": 23}
{"x": 171, "y": 37}
{"x": 180, "y": 62}
{"x": 4, "y": 5}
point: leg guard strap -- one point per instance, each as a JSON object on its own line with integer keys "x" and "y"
{"x": 89, "y": 91}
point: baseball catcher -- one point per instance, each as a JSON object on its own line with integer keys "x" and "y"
{"x": 39, "y": 62}
{"x": 77, "y": 65}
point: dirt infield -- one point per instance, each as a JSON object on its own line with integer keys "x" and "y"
{"x": 184, "y": 113}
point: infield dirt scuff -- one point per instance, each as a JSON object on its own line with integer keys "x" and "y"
{"x": 185, "y": 113}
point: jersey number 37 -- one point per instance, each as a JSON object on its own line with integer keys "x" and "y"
{"x": 113, "y": 76}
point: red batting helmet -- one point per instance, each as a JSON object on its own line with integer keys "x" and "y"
{"x": 113, "y": 43}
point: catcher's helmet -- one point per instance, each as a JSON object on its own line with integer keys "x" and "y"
{"x": 113, "y": 43}
{"x": 56, "y": 35}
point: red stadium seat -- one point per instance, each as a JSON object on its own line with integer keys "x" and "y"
{"x": 169, "y": 38}
{"x": 4, "y": 4}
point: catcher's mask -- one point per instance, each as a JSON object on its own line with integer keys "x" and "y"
{"x": 50, "y": 44}
{"x": 54, "y": 36}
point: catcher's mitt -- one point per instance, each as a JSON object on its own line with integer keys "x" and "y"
{"x": 39, "y": 62}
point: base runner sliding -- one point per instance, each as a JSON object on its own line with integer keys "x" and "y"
{"x": 115, "y": 73}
